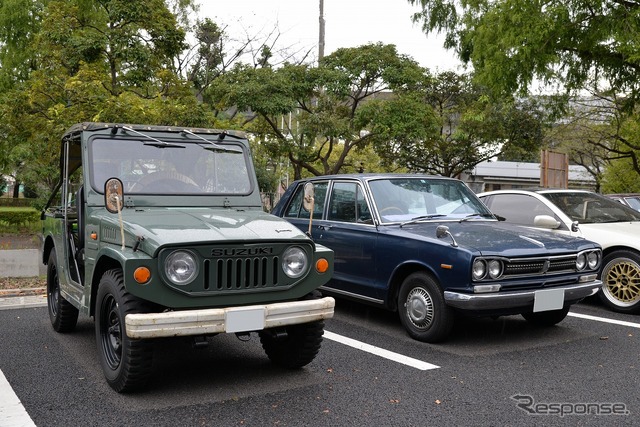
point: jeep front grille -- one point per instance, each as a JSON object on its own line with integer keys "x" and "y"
{"x": 238, "y": 268}
{"x": 241, "y": 273}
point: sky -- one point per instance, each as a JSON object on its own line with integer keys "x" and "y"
{"x": 348, "y": 23}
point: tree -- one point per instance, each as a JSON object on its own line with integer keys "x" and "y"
{"x": 316, "y": 116}
{"x": 95, "y": 60}
{"x": 511, "y": 43}
{"x": 459, "y": 126}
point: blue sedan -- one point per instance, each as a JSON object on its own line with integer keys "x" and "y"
{"x": 427, "y": 247}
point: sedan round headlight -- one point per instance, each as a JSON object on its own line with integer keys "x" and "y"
{"x": 294, "y": 262}
{"x": 593, "y": 260}
{"x": 581, "y": 262}
{"x": 494, "y": 268}
{"x": 181, "y": 267}
{"x": 479, "y": 269}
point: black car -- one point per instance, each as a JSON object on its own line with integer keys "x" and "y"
{"x": 426, "y": 246}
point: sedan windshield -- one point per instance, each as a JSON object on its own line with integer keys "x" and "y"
{"x": 170, "y": 168}
{"x": 425, "y": 199}
{"x": 592, "y": 208}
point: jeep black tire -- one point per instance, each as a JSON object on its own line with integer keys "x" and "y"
{"x": 422, "y": 309}
{"x": 63, "y": 315}
{"x": 621, "y": 282}
{"x": 126, "y": 362}
{"x": 297, "y": 347}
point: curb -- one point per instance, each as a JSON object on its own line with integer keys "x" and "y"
{"x": 13, "y": 302}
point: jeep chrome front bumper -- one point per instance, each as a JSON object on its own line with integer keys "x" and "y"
{"x": 231, "y": 320}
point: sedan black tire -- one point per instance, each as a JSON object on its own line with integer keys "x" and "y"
{"x": 546, "y": 318}
{"x": 63, "y": 315}
{"x": 126, "y": 362}
{"x": 621, "y": 282}
{"x": 422, "y": 309}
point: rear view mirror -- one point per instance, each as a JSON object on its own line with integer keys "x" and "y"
{"x": 546, "y": 221}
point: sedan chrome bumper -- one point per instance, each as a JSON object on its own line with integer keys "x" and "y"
{"x": 232, "y": 319}
{"x": 514, "y": 299}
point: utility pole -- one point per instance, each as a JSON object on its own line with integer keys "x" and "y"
{"x": 321, "y": 35}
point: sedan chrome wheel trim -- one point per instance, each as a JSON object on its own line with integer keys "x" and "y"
{"x": 419, "y": 306}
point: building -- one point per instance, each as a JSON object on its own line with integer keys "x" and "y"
{"x": 496, "y": 175}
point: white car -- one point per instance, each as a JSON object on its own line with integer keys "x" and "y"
{"x": 583, "y": 213}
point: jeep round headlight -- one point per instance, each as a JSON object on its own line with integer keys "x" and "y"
{"x": 593, "y": 259}
{"x": 294, "y": 262}
{"x": 479, "y": 269}
{"x": 581, "y": 261}
{"x": 181, "y": 267}
{"x": 494, "y": 268}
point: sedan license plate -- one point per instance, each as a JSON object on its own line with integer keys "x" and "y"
{"x": 245, "y": 319}
{"x": 548, "y": 299}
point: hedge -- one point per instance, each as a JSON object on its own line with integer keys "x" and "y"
{"x": 19, "y": 217}
{"x": 11, "y": 201}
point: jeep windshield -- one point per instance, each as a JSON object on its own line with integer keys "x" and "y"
{"x": 413, "y": 200}
{"x": 170, "y": 167}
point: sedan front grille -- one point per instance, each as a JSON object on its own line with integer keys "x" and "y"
{"x": 537, "y": 266}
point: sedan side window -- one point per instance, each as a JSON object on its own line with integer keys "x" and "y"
{"x": 518, "y": 208}
{"x": 347, "y": 204}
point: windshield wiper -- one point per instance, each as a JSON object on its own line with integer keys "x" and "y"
{"x": 212, "y": 145}
{"x": 420, "y": 218}
{"x": 156, "y": 142}
{"x": 476, "y": 214}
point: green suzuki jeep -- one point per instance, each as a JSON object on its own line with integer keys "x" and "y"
{"x": 159, "y": 231}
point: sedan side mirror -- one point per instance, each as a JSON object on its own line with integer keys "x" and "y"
{"x": 546, "y": 221}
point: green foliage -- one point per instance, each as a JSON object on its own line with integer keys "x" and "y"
{"x": 93, "y": 60}
{"x": 19, "y": 219}
{"x": 453, "y": 125}
{"x": 621, "y": 177}
{"x": 316, "y": 116}
{"x": 512, "y": 43}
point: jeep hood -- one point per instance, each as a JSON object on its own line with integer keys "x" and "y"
{"x": 496, "y": 238}
{"x": 188, "y": 226}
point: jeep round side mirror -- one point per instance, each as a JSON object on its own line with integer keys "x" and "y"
{"x": 308, "y": 199}
{"x": 113, "y": 197}
{"x": 308, "y": 202}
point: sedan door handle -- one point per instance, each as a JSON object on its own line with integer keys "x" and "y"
{"x": 325, "y": 227}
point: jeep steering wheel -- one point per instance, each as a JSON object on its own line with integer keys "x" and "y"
{"x": 165, "y": 181}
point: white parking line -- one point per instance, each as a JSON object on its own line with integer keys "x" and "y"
{"x": 12, "y": 413}
{"x": 396, "y": 357}
{"x": 605, "y": 320}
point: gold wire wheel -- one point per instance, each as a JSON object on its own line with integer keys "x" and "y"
{"x": 622, "y": 282}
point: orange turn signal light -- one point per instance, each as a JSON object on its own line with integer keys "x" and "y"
{"x": 142, "y": 275}
{"x": 322, "y": 265}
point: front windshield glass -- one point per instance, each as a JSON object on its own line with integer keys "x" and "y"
{"x": 407, "y": 199}
{"x": 182, "y": 167}
{"x": 592, "y": 208}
